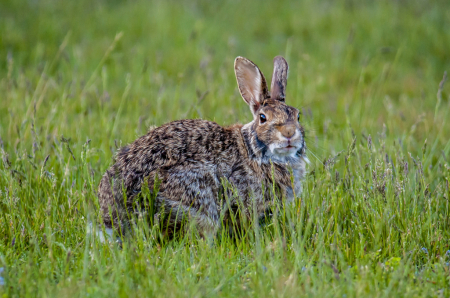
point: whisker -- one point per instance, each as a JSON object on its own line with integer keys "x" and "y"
{"x": 309, "y": 151}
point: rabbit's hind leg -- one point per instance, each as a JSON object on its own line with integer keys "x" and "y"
{"x": 192, "y": 190}
{"x": 174, "y": 216}
{"x": 207, "y": 224}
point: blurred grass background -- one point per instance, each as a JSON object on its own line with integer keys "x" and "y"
{"x": 373, "y": 221}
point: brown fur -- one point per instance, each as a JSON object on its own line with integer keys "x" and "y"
{"x": 193, "y": 159}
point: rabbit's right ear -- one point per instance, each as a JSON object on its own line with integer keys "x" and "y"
{"x": 251, "y": 82}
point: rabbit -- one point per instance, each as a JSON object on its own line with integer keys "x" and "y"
{"x": 192, "y": 160}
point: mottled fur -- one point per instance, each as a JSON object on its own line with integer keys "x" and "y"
{"x": 193, "y": 159}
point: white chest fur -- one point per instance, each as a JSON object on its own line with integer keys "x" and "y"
{"x": 298, "y": 172}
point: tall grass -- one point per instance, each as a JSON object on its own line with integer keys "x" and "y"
{"x": 79, "y": 79}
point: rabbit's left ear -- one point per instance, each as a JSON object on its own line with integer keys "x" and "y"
{"x": 279, "y": 78}
{"x": 251, "y": 82}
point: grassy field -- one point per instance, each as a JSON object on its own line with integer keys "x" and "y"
{"x": 78, "y": 79}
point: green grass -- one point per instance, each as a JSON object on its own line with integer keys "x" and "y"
{"x": 374, "y": 221}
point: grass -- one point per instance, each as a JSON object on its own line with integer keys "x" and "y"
{"x": 80, "y": 78}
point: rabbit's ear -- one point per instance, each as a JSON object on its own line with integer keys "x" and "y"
{"x": 279, "y": 78}
{"x": 251, "y": 82}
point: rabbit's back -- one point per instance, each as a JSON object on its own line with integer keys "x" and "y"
{"x": 178, "y": 143}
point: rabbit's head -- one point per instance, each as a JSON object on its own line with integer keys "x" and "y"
{"x": 275, "y": 132}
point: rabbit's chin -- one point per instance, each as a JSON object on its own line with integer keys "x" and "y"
{"x": 284, "y": 154}
{"x": 285, "y": 151}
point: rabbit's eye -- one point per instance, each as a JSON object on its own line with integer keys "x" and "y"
{"x": 298, "y": 117}
{"x": 262, "y": 118}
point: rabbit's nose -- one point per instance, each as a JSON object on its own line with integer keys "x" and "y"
{"x": 288, "y": 131}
